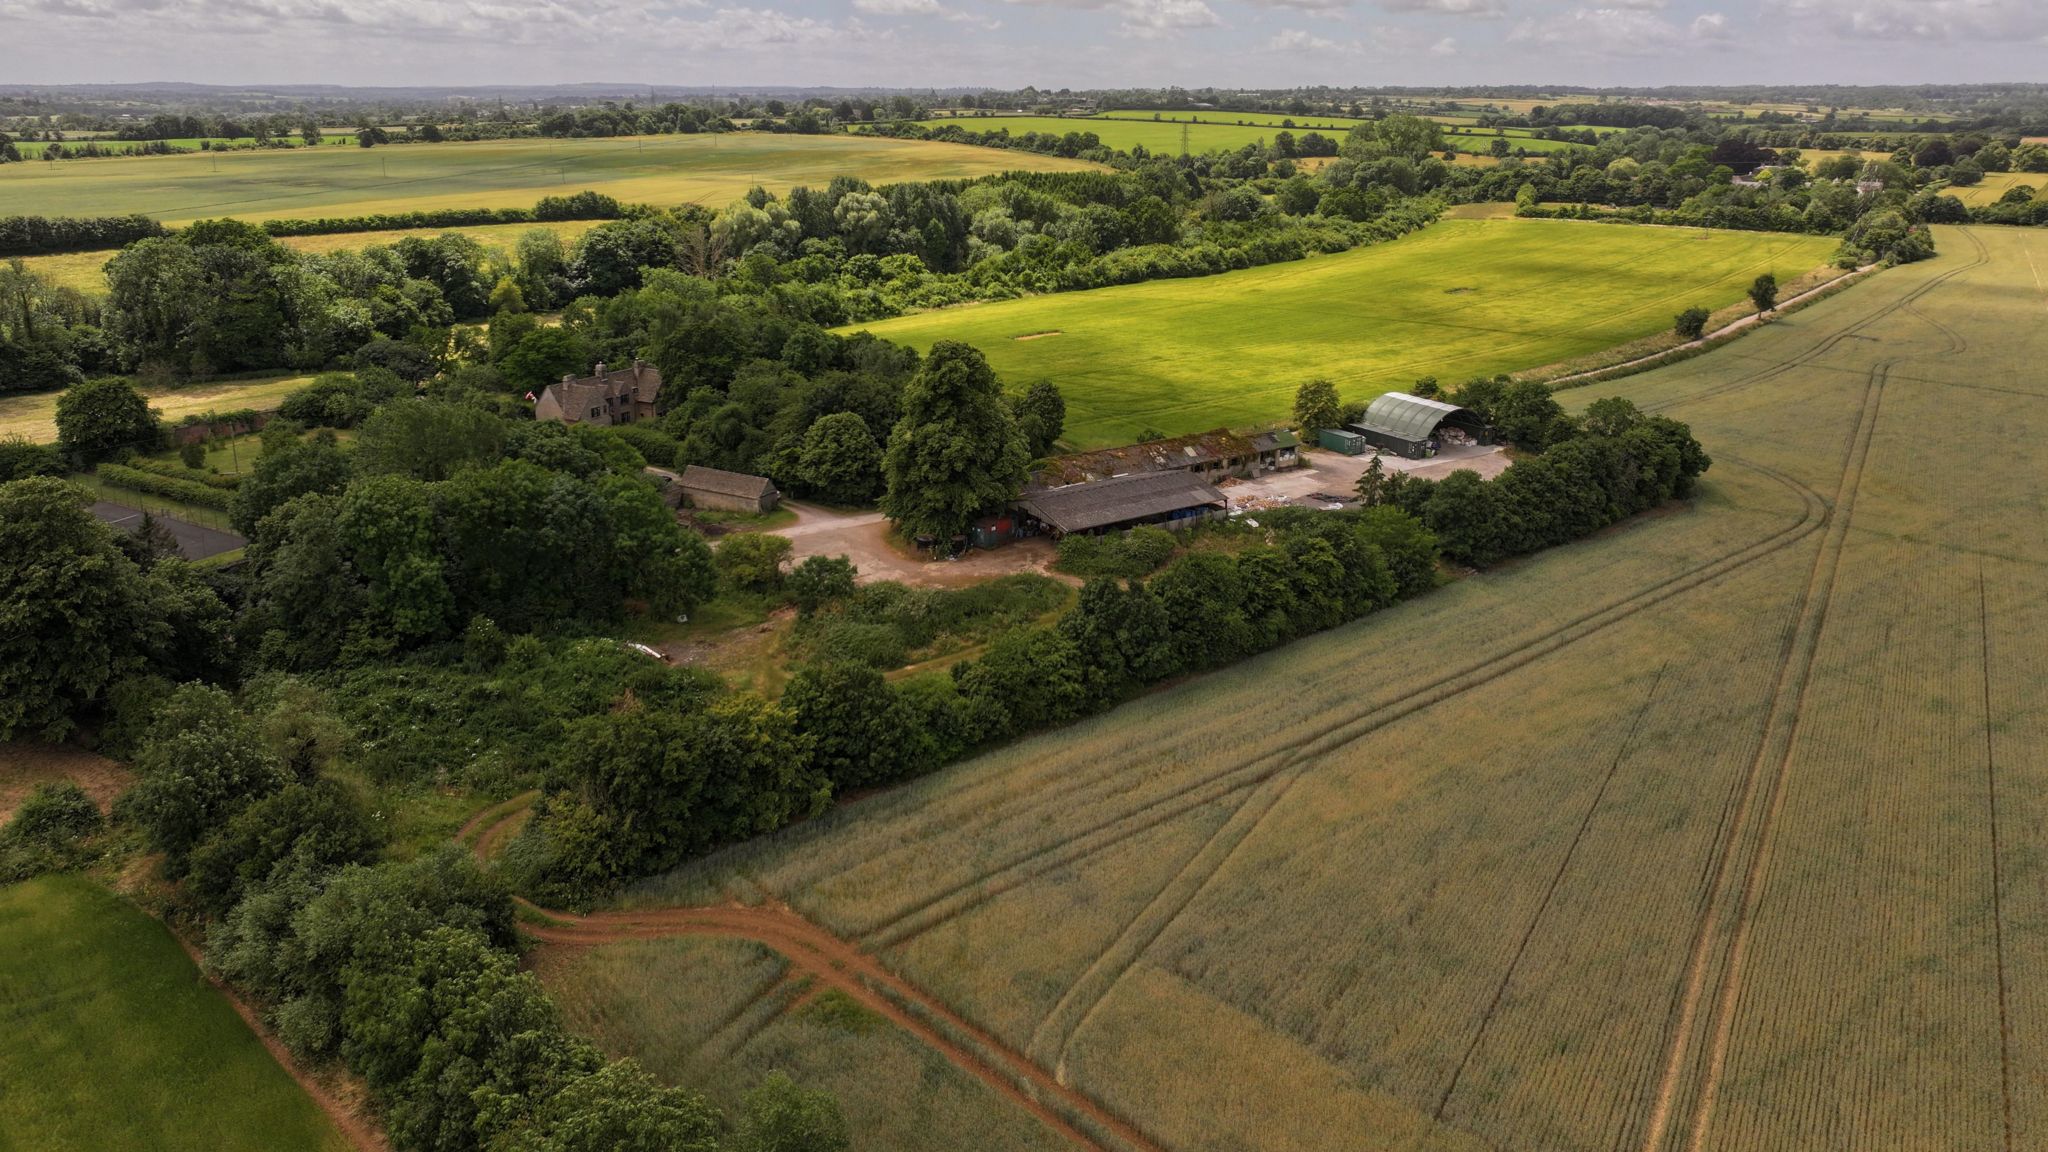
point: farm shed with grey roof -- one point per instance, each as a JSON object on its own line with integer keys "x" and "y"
{"x": 1411, "y": 425}
{"x": 1170, "y": 498}
{"x": 733, "y": 491}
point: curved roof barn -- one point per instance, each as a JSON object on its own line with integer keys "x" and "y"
{"x": 1412, "y": 418}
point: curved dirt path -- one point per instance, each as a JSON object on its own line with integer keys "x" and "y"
{"x": 833, "y": 962}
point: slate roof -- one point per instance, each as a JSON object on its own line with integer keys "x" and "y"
{"x": 1275, "y": 440}
{"x": 727, "y": 483}
{"x": 1080, "y": 507}
{"x": 638, "y": 383}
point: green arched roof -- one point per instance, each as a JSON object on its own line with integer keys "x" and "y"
{"x": 1409, "y": 417}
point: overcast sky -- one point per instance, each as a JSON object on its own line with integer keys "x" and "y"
{"x": 1010, "y": 43}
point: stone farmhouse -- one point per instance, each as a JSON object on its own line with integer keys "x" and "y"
{"x": 618, "y": 396}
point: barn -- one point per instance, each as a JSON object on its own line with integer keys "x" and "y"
{"x": 1174, "y": 499}
{"x": 1416, "y": 426}
{"x": 732, "y": 491}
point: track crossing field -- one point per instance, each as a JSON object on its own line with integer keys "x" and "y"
{"x": 1722, "y": 832}
{"x": 1459, "y": 299}
{"x": 317, "y": 182}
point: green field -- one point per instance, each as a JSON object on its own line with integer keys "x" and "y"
{"x": 114, "y": 1039}
{"x": 86, "y": 271}
{"x": 312, "y": 182}
{"x": 34, "y": 416}
{"x": 1462, "y": 298}
{"x": 1306, "y": 122}
{"x": 1163, "y": 138}
{"x": 1718, "y": 832}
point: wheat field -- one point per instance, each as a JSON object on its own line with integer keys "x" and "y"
{"x": 1721, "y": 832}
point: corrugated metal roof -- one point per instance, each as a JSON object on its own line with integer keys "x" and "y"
{"x": 1409, "y": 417}
{"x": 1080, "y": 507}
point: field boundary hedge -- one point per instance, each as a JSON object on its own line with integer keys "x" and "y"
{"x": 169, "y": 487}
{"x": 49, "y": 235}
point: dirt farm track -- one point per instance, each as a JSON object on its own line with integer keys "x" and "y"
{"x": 1723, "y": 832}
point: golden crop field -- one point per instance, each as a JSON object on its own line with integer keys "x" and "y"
{"x": 1997, "y": 184}
{"x": 33, "y": 416}
{"x": 86, "y": 271}
{"x": 1721, "y": 832}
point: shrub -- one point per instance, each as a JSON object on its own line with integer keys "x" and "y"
{"x": 48, "y": 832}
{"x": 752, "y": 561}
{"x": 169, "y": 487}
{"x": 1126, "y": 556}
{"x": 1691, "y": 324}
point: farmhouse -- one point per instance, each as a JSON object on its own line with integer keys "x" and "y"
{"x": 1176, "y": 499}
{"x": 731, "y": 491}
{"x": 1208, "y": 454}
{"x": 1416, "y": 426}
{"x": 620, "y": 396}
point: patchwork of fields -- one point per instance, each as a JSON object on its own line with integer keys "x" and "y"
{"x": 1453, "y": 301}
{"x": 1719, "y": 833}
{"x": 663, "y": 170}
{"x": 115, "y": 1040}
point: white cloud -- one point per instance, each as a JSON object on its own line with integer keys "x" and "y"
{"x": 1295, "y": 40}
{"x": 2011, "y": 20}
{"x": 1157, "y": 19}
{"x": 1600, "y": 32}
{"x": 1448, "y": 46}
{"x": 1712, "y": 26}
{"x": 1311, "y": 7}
{"x": 899, "y": 7}
{"x": 1481, "y": 9}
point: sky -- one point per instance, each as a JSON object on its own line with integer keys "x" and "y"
{"x": 1012, "y": 43}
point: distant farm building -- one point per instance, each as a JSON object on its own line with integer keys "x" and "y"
{"x": 1210, "y": 455}
{"x": 1416, "y": 426}
{"x": 620, "y": 396}
{"x": 730, "y": 491}
{"x": 1175, "y": 499}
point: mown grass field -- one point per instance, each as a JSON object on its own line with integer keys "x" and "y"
{"x": 315, "y": 182}
{"x": 114, "y": 1039}
{"x": 86, "y": 271}
{"x": 1459, "y": 299}
{"x": 34, "y": 416}
{"x": 1719, "y": 832}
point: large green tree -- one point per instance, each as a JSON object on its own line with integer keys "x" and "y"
{"x": 957, "y": 452}
{"x": 70, "y": 608}
{"x": 103, "y": 418}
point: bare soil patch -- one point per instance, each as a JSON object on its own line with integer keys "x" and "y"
{"x": 1039, "y": 335}
{"x": 25, "y": 767}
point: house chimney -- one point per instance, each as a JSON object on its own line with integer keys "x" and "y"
{"x": 600, "y": 370}
{"x": 568, "y": 378}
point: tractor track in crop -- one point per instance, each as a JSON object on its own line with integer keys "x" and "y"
{"x": 835, "y": 963}
{"x": 1828, "y": 344}
{"x": 1320, "y": 740}
{"x": 1997, "y": 873}
{"x": 1571, "y": 851}
{"x": 1761, "y": 788}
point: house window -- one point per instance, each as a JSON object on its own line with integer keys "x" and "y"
{"x": 596, "y": 413}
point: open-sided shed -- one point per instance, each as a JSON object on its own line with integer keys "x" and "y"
{"x": 1414, "y": 425}
{"x": 1174, "y": 499}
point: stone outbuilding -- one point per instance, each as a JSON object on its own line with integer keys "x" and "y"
{"x": 730, "y": 491}
{"x": 618, "y": 396}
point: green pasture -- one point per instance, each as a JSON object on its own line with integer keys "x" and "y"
{"x": 313, "y": 182}
{"x": 1306, "y": 122}
{"x": 1460, "y": 299}
{"x": 114, "y": 1039}
{"x": 1162, "y": 137}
